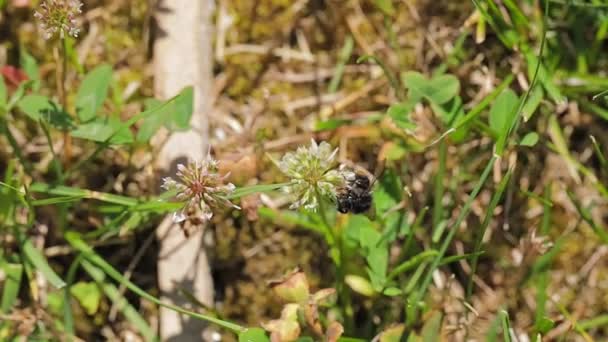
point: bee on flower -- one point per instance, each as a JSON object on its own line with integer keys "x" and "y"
{"x": 313, "y": 174}
{"x": 201, "y": 188}
{"x": 59, "y": 16}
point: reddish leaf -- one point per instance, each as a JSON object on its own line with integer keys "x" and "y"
{"x": 13, "y": 76}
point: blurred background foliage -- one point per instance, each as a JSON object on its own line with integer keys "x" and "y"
{"x": 286, "y": 71}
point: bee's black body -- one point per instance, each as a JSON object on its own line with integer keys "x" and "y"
{"x": 356, "y": 196}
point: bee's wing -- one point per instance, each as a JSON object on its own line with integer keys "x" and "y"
{"x": 378, "y": 172}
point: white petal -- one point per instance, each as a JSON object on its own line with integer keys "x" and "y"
{"x": 179, "y": 216}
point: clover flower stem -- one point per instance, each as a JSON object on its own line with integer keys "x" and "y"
{"x": 55, "y": 162}
{"x": 336, "y": 243}
{"x": 61, "y": 76}
{"x": 324, "y": 219}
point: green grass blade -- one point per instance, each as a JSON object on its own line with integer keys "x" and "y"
{"x": 68, "y": 316}
{"x": 484, "y": 226}
{"x": 454, "y": 258}
{"x": 286, "y": 217}
{"x": 60, "y": 190}
{"x": 12, "y": 281}
{"x": 156, "y": 207}
{"x": 345, "y": 54}
{"x": 37, "y": 259}
{"x": 506, "y": 326}
{"x": 432, "y": 328}
{"x": 483, "y": 104}
{"x": 55, "y": 200}
{"x": 411, "y": 263}
{"x": 452, "y": 231}
{"x": 89, "y": 254}
{"x": 393, "y": 80}
{"x": 599, "y": 153}
{"x": 248, "y": 190}
{"x": 131, "y": 314}
{"x": 543, "y": 278}
{"x": 585, "y": 214}
{"x": 439, "y": 186}
{"x": 599, "y": 321}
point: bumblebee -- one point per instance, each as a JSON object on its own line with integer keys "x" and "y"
{"x": 356, "y": 196}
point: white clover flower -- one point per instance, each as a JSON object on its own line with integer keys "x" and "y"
{"x": 58, "y": 16}
{"x": 312, "y": 172}
{"x": 201, "y": 187}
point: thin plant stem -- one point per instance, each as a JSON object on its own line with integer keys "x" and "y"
{"x": 480, "y": 234}
{"x": 90, "y": 255}
{"x": 27, "y": 166}
{"x": 62, "y": 67}
{"x": 439, "y": 187}
{"x": 337, "y": 244}
{"x": 450, "y": 236}
{"x": 56, "y": 163}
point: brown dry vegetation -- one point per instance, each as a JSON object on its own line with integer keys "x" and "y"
{"x": 274, "y": 62}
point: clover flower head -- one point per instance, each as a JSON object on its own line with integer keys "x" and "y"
{"x": 313, "y": 174}
{"x": 200, "y": 186}
{"x": 58, "y": 16}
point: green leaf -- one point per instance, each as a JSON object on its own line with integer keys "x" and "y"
{"x": 533, "y": 101}
{"x": 109, "y": 129}
{"x": 39, "y": 107}
{"x": 183, "y": 106}
{"x": 174, "y": 114}
{"x": 149, "y": 127}
{"x": 503, "y": 112}
{"x": 330, "y": 124}
{"x": 485, "y": 102}
{"x": 386, "y": 6}
{"x": 37, "y": 259}
{"x": 96, "y": 131}
{"x": 362, "y": 231}
{"x": 440, "y": 89}
{"x": 56, "y": 301}
{"x": 9, "y": 193}
{"x": 360, "y": 285}
{"x": 18, "y": 94}
{"x": 30, "y": 67}
{"x": 392, "y": 292}
{"x": 93, "y": 92}
{"x": 121, "y": 134}
{"x": 400, "y": 113}
{"x": 253, "y": 335}
{"x": 3, "y": 93}
{"x": 545, "y": 324}
{"x": 449, "y": 112}
{"x": 392, "y": 334}
{"x": 543, "y": 77}
{"x": 88, "y": 295}
{"x": 432, "y": 327}
{"x": 388, "y": 191}
{"x": 35, "y": 106}
{"x": 12, "y": 281}
{"x": 529, "y": 139}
